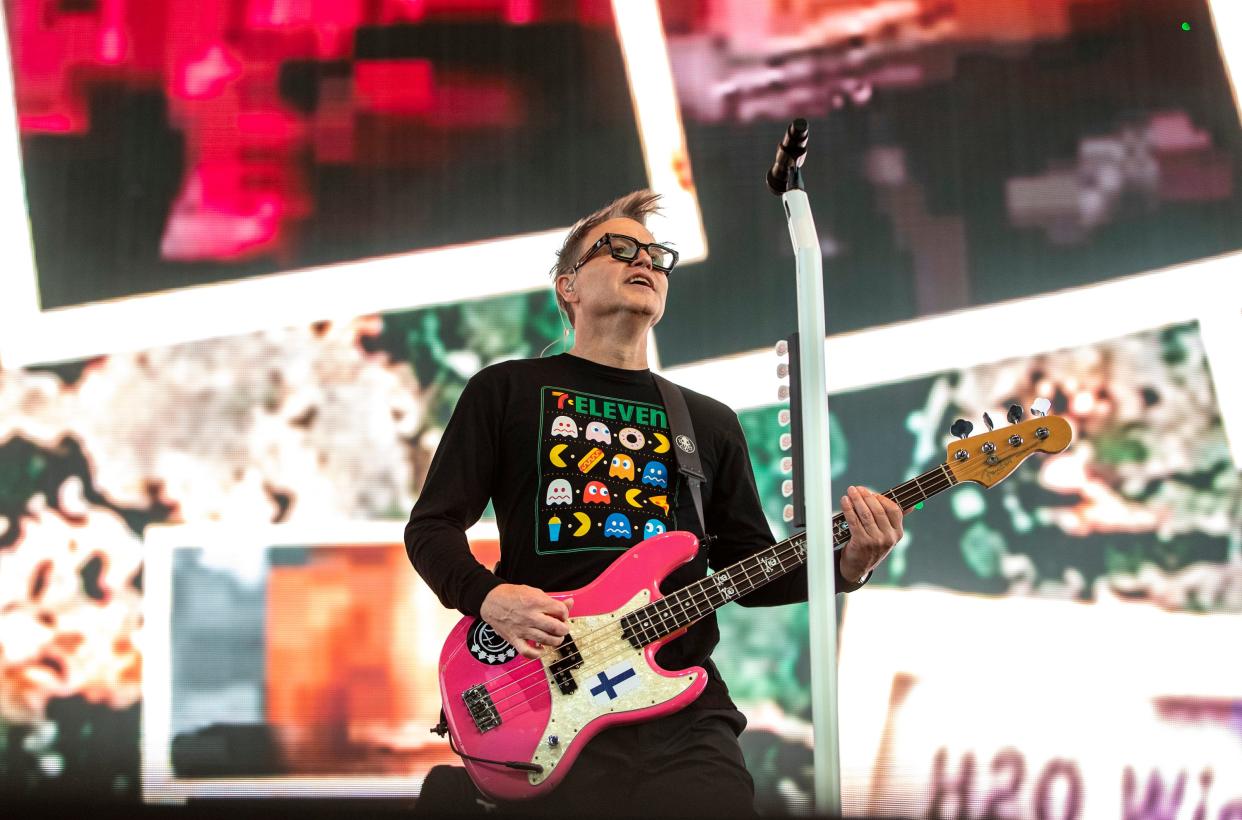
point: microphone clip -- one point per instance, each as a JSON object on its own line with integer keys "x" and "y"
{"x": 786, "y": 172}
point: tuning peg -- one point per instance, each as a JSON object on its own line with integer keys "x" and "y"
{"x": 1015, "y": 413}
{"x": 961, "y": 428}
{"x": 782, "y": 347}
{"x": 987, "y": 422}
{"x": 1040, "y": 407}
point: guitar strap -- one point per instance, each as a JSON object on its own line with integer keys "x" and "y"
{"x": 684, "y": 446}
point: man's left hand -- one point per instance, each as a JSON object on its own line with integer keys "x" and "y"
{"x": 875, "y": 527}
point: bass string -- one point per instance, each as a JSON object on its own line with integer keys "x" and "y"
{"x": 625, "y": 647}
{"x": 903, "y": 498}
{"x": 616, "y": 645}
{"x": 516, "y": 676}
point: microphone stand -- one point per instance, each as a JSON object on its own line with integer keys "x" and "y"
{"x": 816, "y": 461}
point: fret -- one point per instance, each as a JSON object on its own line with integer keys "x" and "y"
{"x": 664, "y": 618}
{"x": 840, "y": 533}
{"x": 918, "y": 486}
{"x": 747, "y": 582}
{"x": 696, "y": 614}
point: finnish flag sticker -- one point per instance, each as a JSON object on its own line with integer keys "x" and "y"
{"x": 613, "y": 682}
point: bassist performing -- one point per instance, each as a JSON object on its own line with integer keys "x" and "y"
{"x": 576, "y": 453}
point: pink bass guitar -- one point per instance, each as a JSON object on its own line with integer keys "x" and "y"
{"x": 519, "y": 724}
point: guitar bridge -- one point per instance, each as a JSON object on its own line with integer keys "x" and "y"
{"x": 482, "y": 710}
{"x": 563, "y": 668}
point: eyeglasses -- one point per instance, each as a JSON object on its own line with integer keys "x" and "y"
{"x": 626, "y": 248}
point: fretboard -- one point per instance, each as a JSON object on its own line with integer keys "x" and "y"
{"x": 691, "y": 603}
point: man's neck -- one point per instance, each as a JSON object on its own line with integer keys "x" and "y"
{"x": 622, "y": 350}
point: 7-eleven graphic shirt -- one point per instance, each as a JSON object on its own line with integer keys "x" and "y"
{"x": 604, "y": 465}
{"x": 575, "y": 457}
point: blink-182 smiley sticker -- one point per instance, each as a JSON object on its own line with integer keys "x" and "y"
{"x": 487, "y": 646}
{"x": 597, "y": 454}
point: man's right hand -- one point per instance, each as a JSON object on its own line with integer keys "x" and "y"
{"x": 526, "y": 617}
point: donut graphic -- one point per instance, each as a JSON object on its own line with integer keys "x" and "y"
{"x": 631, "y": 438}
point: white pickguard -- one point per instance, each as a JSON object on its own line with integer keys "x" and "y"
{"x": 603, "y": 651}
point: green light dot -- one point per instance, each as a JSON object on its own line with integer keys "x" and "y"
{"x": 918, "y": 506}
{"x": 1185, "y": 26}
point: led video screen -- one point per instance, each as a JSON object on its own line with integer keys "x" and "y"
{"x": 961, "y": 153}
{"x": 184, "y": 143}
{"x": 285, "y": 657}
{"x": 192, "y": 170}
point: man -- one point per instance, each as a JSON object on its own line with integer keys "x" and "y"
{"x": 559, "y": 528}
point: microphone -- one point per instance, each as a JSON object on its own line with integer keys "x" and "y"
{"x": 789, "y": 154}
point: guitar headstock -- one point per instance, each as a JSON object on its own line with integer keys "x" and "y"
{"x": 990, "y": 457}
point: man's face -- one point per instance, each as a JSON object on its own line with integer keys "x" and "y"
{"x": 605, "y": 286}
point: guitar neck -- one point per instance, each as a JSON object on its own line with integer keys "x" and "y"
{"x": 691, "y": 603}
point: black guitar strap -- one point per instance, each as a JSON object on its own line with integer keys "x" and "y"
{"x": 684, "y": 446}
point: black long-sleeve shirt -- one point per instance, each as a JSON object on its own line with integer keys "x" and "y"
{"x": 576, "y": 459}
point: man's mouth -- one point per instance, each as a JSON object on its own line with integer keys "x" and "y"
{"x": 640, "y": 280}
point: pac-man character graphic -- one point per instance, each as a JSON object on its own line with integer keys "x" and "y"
{"x": 622, "y": 466}
{"x": 559, "y": 492}
{"x": 593, "y": 457}
{"x": 596, "y": 492}
{"x": 631, "y": 439}
{"x": 631, "y": 497}
{"x": 564, "y": 426}
{"x": 617, "y": 526}
{"x": 661, "y": 443}
{"x": 598, "y": 431}
{"x": 655, "y": 474}
{"x": 653, "y": 527}
{"x": 584, "y": 524}
{"x": 554, "y": 455}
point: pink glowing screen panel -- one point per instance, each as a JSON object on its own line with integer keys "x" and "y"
{"x": 199, "y": 141}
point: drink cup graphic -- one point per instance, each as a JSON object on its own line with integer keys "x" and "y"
{"x": 554, "y": 528}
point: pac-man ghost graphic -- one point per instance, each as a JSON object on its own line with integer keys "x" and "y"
{"x": 617, "y": 526}
{"x": 564, "y": 426}
{"x": 559, "y": 492}
{"x": 655, "y": 474}
{"x": 598, "y": 431}
{"x": 621, "y": 466}
{"x": 596, "y": 492}
{"x": 653, "y": 527}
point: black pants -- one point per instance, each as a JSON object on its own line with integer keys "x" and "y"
{"x": 686, "y": 764}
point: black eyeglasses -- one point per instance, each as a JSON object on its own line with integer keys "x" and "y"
{"x": 626, "y": 248}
